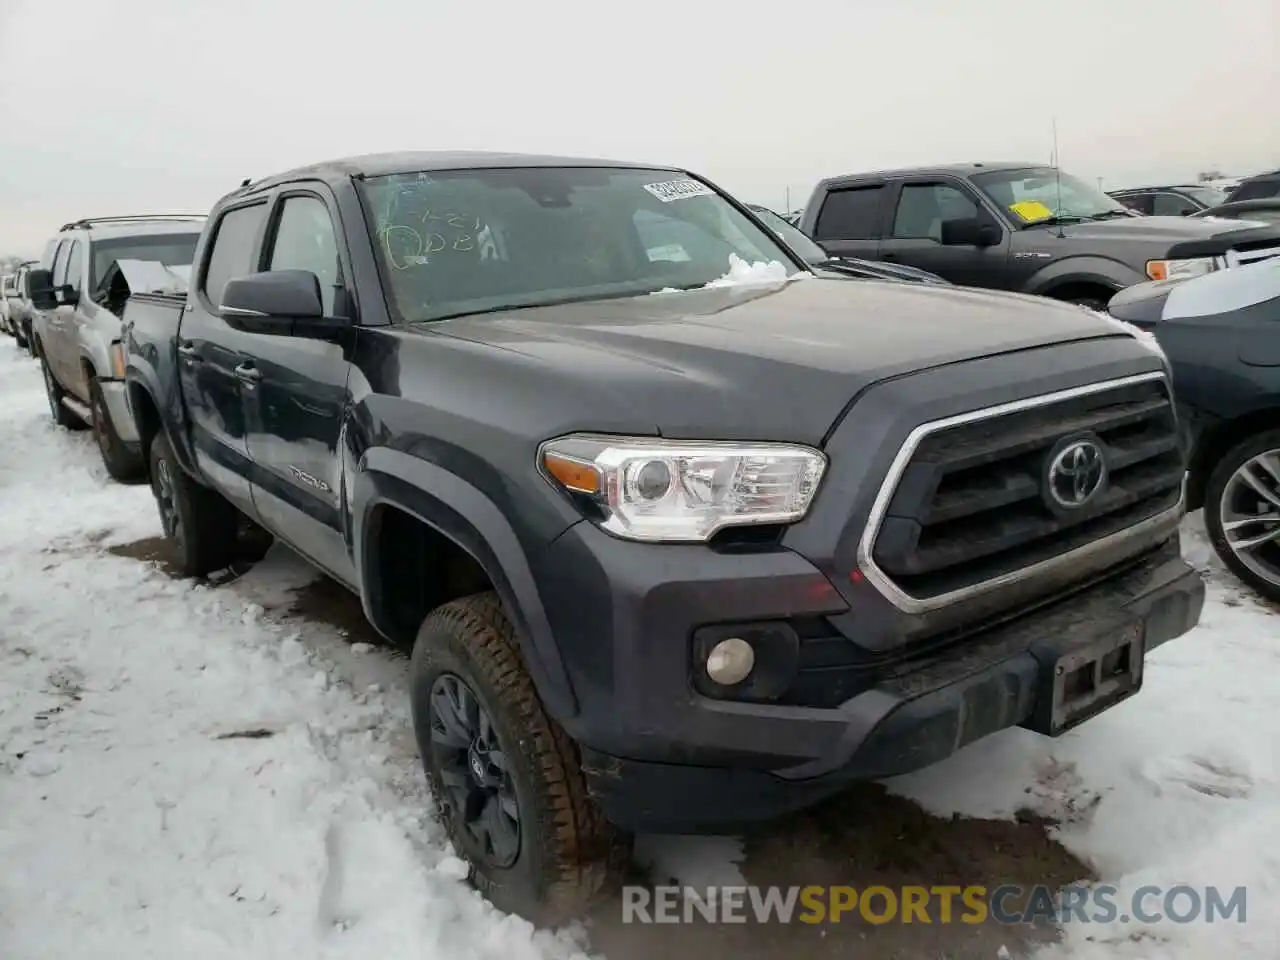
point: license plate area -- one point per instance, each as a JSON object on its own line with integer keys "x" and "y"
{"x": 1082, "y": 682}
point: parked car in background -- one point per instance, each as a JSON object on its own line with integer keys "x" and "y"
{"x": 1260, "y": 187}
{"x": 823, "y": 262}
{"x": 1256, "y": 211}
{"x": 1020, "y": 227}
{"x": 1221, "y": 334}
{"x": 681, "y": 535}
{"x": 19, "y": 306}
{"x": 1170, "y": 201}
{"x": 77, "y": 326}
{"x": 8, "y": 284}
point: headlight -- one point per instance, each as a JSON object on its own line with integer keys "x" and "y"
{"x": 684, "y": 490}
{"x": 1180, "y": 269}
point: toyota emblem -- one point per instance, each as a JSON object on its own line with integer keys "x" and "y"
{"x": 1076, "y": 474}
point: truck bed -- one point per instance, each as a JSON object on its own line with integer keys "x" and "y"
{"x": 149, "y": 326}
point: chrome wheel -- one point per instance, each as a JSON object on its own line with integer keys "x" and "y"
{"x": 100, "y": 424}
{"x": 170, "y": 519}
{"x": 50, "y": 390}
{"x": 474, "y": 769}
{"x": 1250, "y": 512}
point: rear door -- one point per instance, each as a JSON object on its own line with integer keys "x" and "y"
{"x": 848, "y": 224}
{"x": 213, "y": 359}
{"x": 914, "y": 237}
{"x": 297, "y": 402}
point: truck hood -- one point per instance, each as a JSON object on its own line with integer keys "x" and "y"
{"x": 776, "y": 362}
{"x": 1177, "y": 236}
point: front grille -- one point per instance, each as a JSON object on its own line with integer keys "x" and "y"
{"x": 970, "y": 504}
{"x": 1252, "y": 253}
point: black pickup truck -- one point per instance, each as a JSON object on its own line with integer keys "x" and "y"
{"x": 1021, "y": 227}
{"x": 682, "y": 536}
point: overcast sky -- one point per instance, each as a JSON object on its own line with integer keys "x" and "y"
{"x": 125, "y": 106}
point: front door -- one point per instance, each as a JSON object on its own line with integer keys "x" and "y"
{"x": 214, "y": 364}
{"x": 299, "y": 400}
{"x": 56, "y": 341}
{"x": 915, "y": 235}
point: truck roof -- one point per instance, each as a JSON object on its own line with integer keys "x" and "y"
{"x": 946, "y": 169}
{"x": 413, "y": 161}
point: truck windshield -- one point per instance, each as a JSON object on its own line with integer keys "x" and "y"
{"x": 455, "y": 242}
{"x": 171, "y": 249}
{"x": 1038, "y": 194}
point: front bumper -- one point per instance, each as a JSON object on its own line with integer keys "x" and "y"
{"x": 115, "y": 396}
{"x": 661, "y": 758}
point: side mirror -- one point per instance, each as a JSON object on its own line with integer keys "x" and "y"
{"x": 40, "y": 290}
{"x": 281, "y": 302}
{"x": 969, "y": 232}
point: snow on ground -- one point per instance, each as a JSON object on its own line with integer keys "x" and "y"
{"x": 178, "y": 776}
{"x": 182, "y": 775}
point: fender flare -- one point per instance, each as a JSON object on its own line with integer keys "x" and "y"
{"x": 1072, "y": 270}
{"x": 147, "y": 381}
{"x": 461, "y": 513}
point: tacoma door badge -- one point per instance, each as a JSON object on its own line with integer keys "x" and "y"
{"x": 308, "y": 479}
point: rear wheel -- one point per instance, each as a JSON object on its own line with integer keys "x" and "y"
{"x": 1242, "y": 512}
{"x": 61, "y": 415}
{"x": 122, "y": 462}
{"x": 201, "y": 525}
{"x": 507, "y": 781}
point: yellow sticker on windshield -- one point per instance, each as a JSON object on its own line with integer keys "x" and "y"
{"x": 1030, "y": 210}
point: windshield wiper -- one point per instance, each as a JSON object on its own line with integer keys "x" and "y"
{"x": 1057, "y": 219}
{"x": 1109, "y": 214}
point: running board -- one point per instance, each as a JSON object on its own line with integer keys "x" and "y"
{"x": 79, "y": 409}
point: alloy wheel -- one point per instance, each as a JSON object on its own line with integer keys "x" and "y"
{"x": 170, "y": 519}
{"x": 1250, "y": 512}
{"x": 99, "y": 423}
{"x": 475, "y": 770}
{"x": 50, "y": 389}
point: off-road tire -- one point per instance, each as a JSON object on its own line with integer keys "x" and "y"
{"x": 570, "y": 856}
{"x": 123, "y": 463}
{"x": 54, "y": 392}
{"x": 205, "y": 538}
{"x": 1222, "y": 472}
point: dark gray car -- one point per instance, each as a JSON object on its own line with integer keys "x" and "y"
{"x": 1021, "y": 227}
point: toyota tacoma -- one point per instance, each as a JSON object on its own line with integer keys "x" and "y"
{"x": 681, "y": 535}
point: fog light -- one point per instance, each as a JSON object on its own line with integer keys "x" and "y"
{"x": 730, "y": 661}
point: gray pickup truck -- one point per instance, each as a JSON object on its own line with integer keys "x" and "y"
{"x": 76, "y": 330}
{"x": 1021, "y": 227}
{"x": 682, "y": 535}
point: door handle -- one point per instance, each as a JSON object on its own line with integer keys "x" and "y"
{"x": 888, "y": 255}
{"x": 188, "y": 349}
{"x": 248, "y": 372}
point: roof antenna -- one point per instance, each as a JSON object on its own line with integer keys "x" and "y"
{"x": 1057, "y": 176}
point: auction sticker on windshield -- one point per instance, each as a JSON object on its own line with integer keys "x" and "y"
{"x": 1030, "y": 210}
{"x": 678, "y": 190}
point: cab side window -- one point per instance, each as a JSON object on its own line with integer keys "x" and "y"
{"x": 850, "y": 214}
{"x": 75, "y": 266}
{"x": 233, "y": 245}
{"x": 305, "y": 240}
{"x": 60, "y": 263}
{"x": 1172, "y": 205}
{"x": 923, "y": 207}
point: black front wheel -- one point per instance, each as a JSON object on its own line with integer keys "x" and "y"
{"x": 507, "y": 781}
{"x": 122, "y": 462}
{"x": 200, "y": 524}
{"x": 54, "y": 393}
